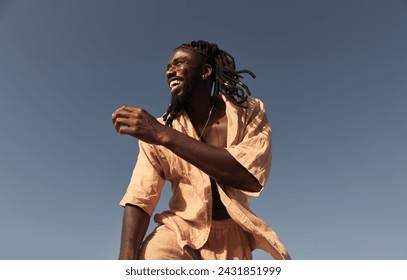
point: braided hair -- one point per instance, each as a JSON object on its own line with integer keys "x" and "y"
{"x": 225, "y": 79}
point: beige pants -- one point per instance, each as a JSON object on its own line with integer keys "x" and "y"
{"x": 226, "y": 241}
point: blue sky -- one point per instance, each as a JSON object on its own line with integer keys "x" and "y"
{"x": 332, "y": 75}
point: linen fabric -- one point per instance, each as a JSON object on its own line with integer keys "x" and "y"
{"x": 226, "y": 241}
{"x": 190, "y": 207}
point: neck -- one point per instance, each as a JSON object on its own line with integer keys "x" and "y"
{"x": 199, "y": 107}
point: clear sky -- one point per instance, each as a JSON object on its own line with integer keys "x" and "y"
{"x": 332, "y": 75}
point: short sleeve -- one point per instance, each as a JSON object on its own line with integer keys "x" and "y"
{"x": 254, "y": 150}
{"x": 147, "y": 181}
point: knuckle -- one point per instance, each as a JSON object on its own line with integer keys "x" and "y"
{"x": 139, "y": 110}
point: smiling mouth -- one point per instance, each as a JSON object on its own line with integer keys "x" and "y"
{"x": 174, "y": 84}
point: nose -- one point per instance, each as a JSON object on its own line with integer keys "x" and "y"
{"x": 170, "y": 72}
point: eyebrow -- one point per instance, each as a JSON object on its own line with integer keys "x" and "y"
{"x": 176, "y": 59}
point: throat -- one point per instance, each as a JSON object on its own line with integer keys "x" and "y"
{"x": 207, "y": 121}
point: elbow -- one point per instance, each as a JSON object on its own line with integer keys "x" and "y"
{"x": 245, "y": 182}
{"x": 252, "y": 186}
{"x": 249, "y": 183}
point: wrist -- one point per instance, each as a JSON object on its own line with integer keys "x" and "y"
{"x": 166, "y": 136}
{"x": 128, "y": 255}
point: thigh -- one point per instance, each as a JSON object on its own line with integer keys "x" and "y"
{"x": 227, "y": 241}
{"x": 162, "y": 244}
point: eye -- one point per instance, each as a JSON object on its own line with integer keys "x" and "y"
{"x": 176, "y": 63}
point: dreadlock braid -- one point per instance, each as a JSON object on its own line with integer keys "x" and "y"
{"x": 171, "y": 114}
{"x": 225, "y": 78}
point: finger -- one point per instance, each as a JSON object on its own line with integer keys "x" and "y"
{"x": 127, "y": 108}
{"x": 125, "y": 114}
{"x": 115, "y": 114}
{"x": 128, "y": 111}
{"x": 128, "y": 122}
{"x": 118, "y": 110}
{"x": 119, "y": 122}
{"x": 127, "y": 130}
{"x": 122, "y": 113}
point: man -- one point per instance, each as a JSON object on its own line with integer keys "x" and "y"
{"x": 214, "y": 146}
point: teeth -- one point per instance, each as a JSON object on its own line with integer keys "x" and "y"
{"x": 174, "y": 83}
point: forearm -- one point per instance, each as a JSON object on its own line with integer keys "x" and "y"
{"x": 214, "y": 161}
{"x": 218, "y": 163}
{"x": 135, "y": 224}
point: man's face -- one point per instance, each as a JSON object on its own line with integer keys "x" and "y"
{"x": 184, "y": 74}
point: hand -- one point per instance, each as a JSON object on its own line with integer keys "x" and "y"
{"x": 138, "y": 123}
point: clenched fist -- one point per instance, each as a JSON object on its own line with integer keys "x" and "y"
{"x": 138, "y": 123}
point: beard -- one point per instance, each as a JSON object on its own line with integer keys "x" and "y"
{"x": 181, "y": 101}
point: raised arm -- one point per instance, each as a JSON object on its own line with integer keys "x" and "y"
{"x": 218, "y": 163}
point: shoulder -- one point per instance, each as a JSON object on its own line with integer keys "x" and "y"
{"x": 254, "y": 104}
{"x": 252, "y": 107}
{"x": 256, "y": 116}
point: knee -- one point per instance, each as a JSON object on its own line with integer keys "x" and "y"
{"x": 161, "y": 244}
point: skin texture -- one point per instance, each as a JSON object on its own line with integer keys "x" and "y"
{"x": 209, "y": 155}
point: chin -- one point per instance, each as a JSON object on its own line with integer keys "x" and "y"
{"x": 177, "y": 91}
{"x": 180, "y": 99}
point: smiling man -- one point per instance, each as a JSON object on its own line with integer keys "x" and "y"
{"x": 214, "y": 146}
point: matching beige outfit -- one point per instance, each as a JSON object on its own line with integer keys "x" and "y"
{"x": 186, "y": 230}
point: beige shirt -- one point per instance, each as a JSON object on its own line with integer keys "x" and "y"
{"x": 248, "y": 141}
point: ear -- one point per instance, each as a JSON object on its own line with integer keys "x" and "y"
{"x": 206, "y": 70}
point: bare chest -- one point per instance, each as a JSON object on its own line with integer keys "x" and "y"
{"x": 216, "y": 133}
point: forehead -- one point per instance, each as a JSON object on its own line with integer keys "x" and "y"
{"x": 185, "y": 53}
